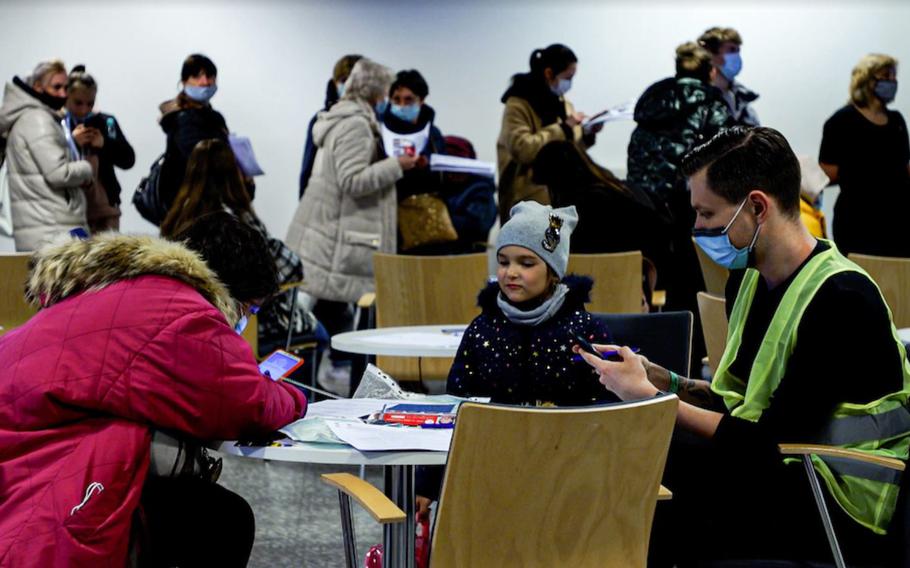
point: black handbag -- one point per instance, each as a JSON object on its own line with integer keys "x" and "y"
{"x": 147, "y": 199}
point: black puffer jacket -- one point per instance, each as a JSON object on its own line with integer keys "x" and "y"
{"x": 673, "y": 116}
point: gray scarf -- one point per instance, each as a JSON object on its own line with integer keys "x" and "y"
{"x": 538, "y": 315}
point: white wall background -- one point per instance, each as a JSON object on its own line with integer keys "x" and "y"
{"x": 275, "y": 56}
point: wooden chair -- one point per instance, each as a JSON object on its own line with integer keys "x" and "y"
{"x": 714, "y": 274}
{"x": 617, "y": 280}
{"x": 893, "y": 277}
{"x": 664, "y": 338}
{"x": 14, "y": 310}
{"x": 713, "y": 311}
{"x": 549, "y": 487}
{"x": 426, "y": 290}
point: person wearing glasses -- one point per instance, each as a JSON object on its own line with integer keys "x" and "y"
{"x": 135, "y": 335}
{"x": 792, "y": 371}
{"x": 45, "y": 177}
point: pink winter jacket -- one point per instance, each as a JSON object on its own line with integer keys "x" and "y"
{"x": 136, "y": 334}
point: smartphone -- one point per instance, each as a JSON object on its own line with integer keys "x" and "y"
{"x": 279, "y": 365}
{"x": 607, "y": 355}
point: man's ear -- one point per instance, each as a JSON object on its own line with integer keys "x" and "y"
{"x": 761, "y": 204}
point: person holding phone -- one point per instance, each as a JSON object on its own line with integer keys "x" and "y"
{"x": 97, "y": 137}
{"x": 784, "y": 377}
{"x": 537, "y": 112}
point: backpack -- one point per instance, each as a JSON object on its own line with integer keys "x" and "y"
{"x": 147, "y": 199}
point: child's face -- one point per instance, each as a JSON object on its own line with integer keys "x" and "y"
{"x": 522, "y": 275}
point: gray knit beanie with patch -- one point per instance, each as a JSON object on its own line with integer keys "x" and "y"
{"x": 541, "y": 229}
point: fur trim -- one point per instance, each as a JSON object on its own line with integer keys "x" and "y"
{"x": 62, "y": 270}
{"x": 579, "y": 293}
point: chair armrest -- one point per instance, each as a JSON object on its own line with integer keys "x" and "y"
{"x": 835, "y": 452}
{"x": 373, "y": 500}
{"x": 367, "y": 300}
{"x": 664, "y": 494}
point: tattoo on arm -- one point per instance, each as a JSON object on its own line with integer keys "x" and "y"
{"x": 695, "y": 392}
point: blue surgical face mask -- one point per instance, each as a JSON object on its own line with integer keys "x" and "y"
{"x": 381, "y": 107}
{"x": 562, "y": 87}
{"x": 339, "y": 88}
{"x": 733, "y": 64}
{"x": 241, "y": 324}
{"x": 716, "y": 244}
{"x": 885, "y": 90}
{"x": 407, "y": 113}
{"x": 200, "y": 94}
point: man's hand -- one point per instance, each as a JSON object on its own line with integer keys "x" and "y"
{"x": 627, "y": 378}
{"x": 82, "y": 135}
{"x": 407, "y": 162}
{"x": 97, "y": 139}
{"x": 423, "y": 506}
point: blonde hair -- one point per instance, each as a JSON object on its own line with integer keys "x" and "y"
{"x": 693, "y": 60}
{"x": 862, "y": 79}
{"x": 714, "y": 37}
{"x": 45, "y": 70}
{"x": 368, "y": 81}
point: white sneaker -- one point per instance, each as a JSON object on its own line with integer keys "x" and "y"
{"x": 334, "y": 378}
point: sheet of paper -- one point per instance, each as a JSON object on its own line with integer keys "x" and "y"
{"x": 346, "y": 407}
{"x": 443, "y": 163}
{"x": 370, "y": 438}
{"x": 243, "y": 151}
{"x": 417, "y": 339}
{"x": 624, "y": 111}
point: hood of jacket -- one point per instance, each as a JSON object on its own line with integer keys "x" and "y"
{"x": 395, "y": 124}
{"x": 579, "y": 294}
{"x": 345, "y": 108}
{"x": 670, "y": 100}
{"x": 59, "y": 271}
{"x": 17, "y": 99}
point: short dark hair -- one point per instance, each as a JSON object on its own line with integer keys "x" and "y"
{"x": 195, "y": 63}
{"x": 741, "y": 159}
{"x": 236, "y": 252}
{"x": 557, "y": 57}
{"x": 712, "y": 38}
{"x": 411, "y": 79}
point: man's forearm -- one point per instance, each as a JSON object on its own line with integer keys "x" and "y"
{"x": 693, "y": 391}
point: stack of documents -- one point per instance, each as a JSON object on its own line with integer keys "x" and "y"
{"x": 454, "y": 164}
{"x": 624, "y": 111}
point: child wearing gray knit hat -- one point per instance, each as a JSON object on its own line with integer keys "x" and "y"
{"x": 541, "y": 229}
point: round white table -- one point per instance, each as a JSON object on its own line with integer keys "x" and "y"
{"x": 410, "y": 341}
{"x": 398, "y": 478}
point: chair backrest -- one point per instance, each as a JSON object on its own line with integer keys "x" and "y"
{"x": 664, "y": 338}
{"x": 617, "y": 280}
{"x": 251, "y": 334}
{"x": 713, "y": 312}
{"x": 893, "y": 277}
{"x": 14, "y": 310}
{"x": 552, "y": 487}
{"x": 714, "y": 274}
{"x": 426, "y": 290}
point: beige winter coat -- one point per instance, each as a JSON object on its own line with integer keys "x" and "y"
{"x": 44, "y": 184}
{"x": 522, "y": 135}
{"x": 348, "y": 211}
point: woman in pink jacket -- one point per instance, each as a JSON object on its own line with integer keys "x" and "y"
{"x": 134, "y": 334}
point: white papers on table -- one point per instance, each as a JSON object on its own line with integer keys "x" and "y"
{"x": 455, "y": 164}
{"x": 417, "y": 339}
{"x": 624, "y": 111}
{"x": 346, "y": 407}
{"x": 246, "y": 159}
{"x": 369, "y": 437}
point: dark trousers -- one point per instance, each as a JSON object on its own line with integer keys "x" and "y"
{"x": 336, "y": 317}
{"x": 733, "y": 504}
{"x": 190, "y": 522}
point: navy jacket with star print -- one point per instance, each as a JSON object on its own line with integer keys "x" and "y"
{"x": 534, "y": 365}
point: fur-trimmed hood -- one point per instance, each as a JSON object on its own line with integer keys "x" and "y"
{"x": 62, "y": 270}
{"x": 579, "y": 294}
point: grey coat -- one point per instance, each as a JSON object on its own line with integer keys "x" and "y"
{"x": 348, "y": 211}
{"x": 44, "y": 184}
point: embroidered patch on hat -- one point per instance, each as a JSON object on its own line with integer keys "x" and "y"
{"x": 551, "y": 236}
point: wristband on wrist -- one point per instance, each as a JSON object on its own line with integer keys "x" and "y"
{"x": 674, "y": 382}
